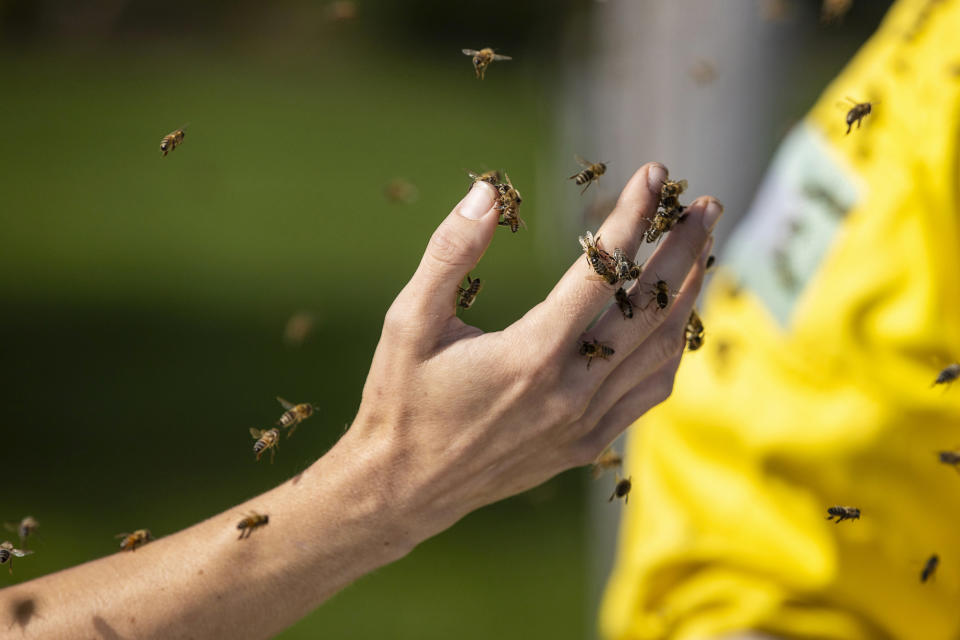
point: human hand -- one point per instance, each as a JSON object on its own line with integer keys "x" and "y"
{"x": 464, "y": 418}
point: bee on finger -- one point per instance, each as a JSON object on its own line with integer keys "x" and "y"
{"x": 948, "y": 375}
{"x": 625, "y": 268}
{"x": 843, "y": 513}
{"x": 131, "y": 541}
{"x": 693, "y": 332}
{"x": 608, "y": 459}
{"x": 621, "y": 489}
{"x": 591, "y": 173}
{"x": 598, "y": 259}
{"x": 594, "y": 349}
{"x": 466, "y": 295}
{"x": 624, "y": 302}
{"x": 670, "y": 191}
{"x": 661, "y": 294}
{"x": 929, "y": 568}
{"x": 8, "y": 553}
{"x": 171, "y": 141}
{"x": 24, "y": 528}
{"x": 493, "y": 178}
{"x": 483, "y": 58}
{"x": 857, "y": 112}
{"x": 508, "y": 204}
{"x": 251, "y": 522}
{"x": 294, "y": 414}
{"x": 266, "y": 439}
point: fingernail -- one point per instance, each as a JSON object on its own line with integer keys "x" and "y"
{"x": 712, "y": 213}
{"x": 656, "y": 174}
{"x": 477, "y": 201}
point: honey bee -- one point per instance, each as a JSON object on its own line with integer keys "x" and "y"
{"x": 669, "y": 193}
{"x": 711, "y": 262}
{"x": 659, "y": 225}
{"x": 624, "y": 302}
{"x": 508, "y": 204}
{"x": 843, "y": 513}
{"x": 591, "y": 172}
{"x": 857, "y": 112}
{"x": 466, "y": 295}
{"x": 294, "y": 414}
{"x": 170, "y": 141}
{"x": 832, "y": 11}
{"x": 951, "y": 458}
{"x": 266, "y": 439}
{"x": 597, "y": 258}
{"x": 929, "y": 567}
{"x": 624, "y": 267}
{"x": 661, "y": 293}
{"x": 490, "y": 177}
{"x": 621, "y": 489}
{"x": 251, "y": 522}
{"x": 7, "y": 554}
{"x": 607, "y": 460}
{"x": 948, "y": 375}
{"x": 133, "y": 540}
{"x": 694, "y": 331}
{"x": 483, "y": 58}
{"x": 24, "y": 529}
{"x": 594, "y": 349}
{"x": 400, "y": 191}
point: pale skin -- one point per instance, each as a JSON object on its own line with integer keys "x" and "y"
{"x": 451, "y": 419}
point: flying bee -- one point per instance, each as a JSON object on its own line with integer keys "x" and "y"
{"x": 133, "y": 540}
{"x": 857, "y": 112}
{"x": 483, "y": 58}
{"x": 624, "y": 267}
{"x": 929, "y": 567}
{"x": 661, "y": 293}
{"x": 171, "y": 141}
{"x": 624, "y": 302}
{"x": 597, "y": 258}
{"x": 591, "y": 172}
{"x": 607, "y": 460}
{"x": 711, "y": 262}
{"x": 466, "y": 295}
{"x": 24, "y": 529}
{"x": 266, "y": 439}
{"x": 951, "y": 458}
{"x": 621, "y": 489}
{"x": 843, "y": 513}
{"x": 948, "y": 375}
{"x": 7, "y": 554}
{"x": 294, "y": 414}
{"x": 594, "y": 349}
{"x": 694, "y": 331}
{"x": 508, "y": 204}
{"x": 251, "y": 522}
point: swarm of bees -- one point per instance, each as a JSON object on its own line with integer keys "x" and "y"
{"x": 250, "y": 522}
{"x": 483, "y": 58}
{"x": 669, "y": 210}
{"x": 171, "y": 141}
{"x": 591, "y": 173}
{"x": 843, "y": 513}
{"x": 131, "y": 541}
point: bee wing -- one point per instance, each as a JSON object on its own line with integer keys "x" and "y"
{"x": 20, "y": 552}
{"x": 580, "y": 160}
{"x": 498, "y": 56}
{"x": 121, "y": 535}
{"x": 256, "y": 433}
{"x": 682, "y": 184}
{"x": 285, "y": 404}
{"x": 469, "y": 52}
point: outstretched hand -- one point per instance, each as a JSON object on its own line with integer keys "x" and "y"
{"x": 468, "y": 418}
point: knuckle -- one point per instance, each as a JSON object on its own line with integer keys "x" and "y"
{"x": 447, "y": 246}
{"x": 669, "y": 345}
{"x": 397, "y": 318}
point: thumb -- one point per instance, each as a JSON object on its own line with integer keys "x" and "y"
{"x": 454, "y": 249}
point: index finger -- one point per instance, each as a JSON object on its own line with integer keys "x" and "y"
{"x": 577, "y": 298}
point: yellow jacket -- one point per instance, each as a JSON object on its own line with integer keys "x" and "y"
{"x": 837, "y": 304}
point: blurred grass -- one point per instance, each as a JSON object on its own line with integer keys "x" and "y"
{"x": 142, "y": 301}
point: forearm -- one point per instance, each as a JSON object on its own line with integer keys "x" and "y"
{"x": 328, "y": 526}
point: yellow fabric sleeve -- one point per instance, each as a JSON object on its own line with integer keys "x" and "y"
{"x": 836, "y": 305}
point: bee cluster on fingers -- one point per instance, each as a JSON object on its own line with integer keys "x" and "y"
{"x": 669, "y": 210}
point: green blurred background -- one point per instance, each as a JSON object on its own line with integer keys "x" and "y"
{"x": 144, "y": 300}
